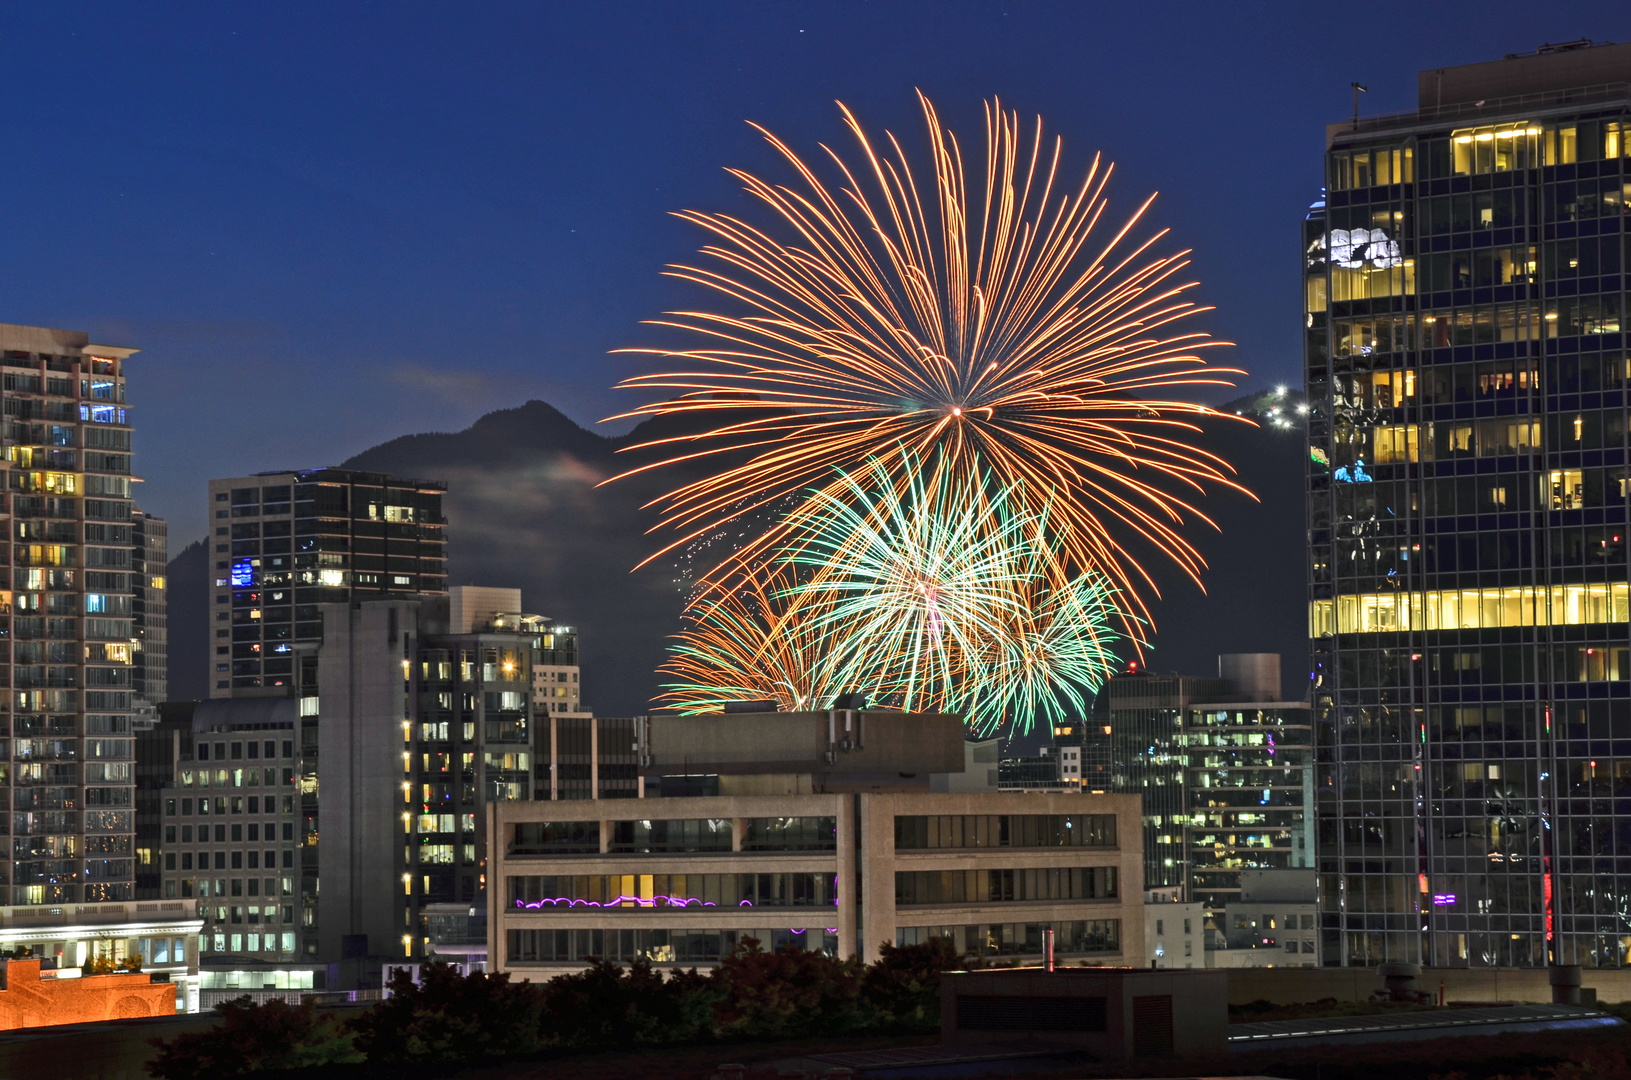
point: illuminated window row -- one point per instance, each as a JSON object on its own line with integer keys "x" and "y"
{"x": 1471, "y": 609}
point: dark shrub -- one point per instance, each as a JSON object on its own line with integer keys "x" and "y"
{"x": 255, "y": 1038}
{"x": 904, "y": 985}
{"x": 608, "y": 1006}
{"x": 789, "y": 993}
{"x": 452, "y": 1017}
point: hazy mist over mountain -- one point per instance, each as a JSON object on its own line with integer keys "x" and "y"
{"x": 524, "y": 511}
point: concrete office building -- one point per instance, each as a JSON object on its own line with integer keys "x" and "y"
{"x": 233, "y": 828}
{"x": 66, "y": 613}
{"x": 824, "y": 834}
{"x": 149, "y": 643}
{"x": 1467, "y": 371}
{"x": 1270, "y": 923}
{"x": 285, "y": 543}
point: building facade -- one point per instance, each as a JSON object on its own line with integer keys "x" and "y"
{"x": 1078, "y": 759}
{"x": 556, "y": 686}
{"x": 233, "y": 828}
{"x": 162, "y": 937}
{"x": 1467, "y": 371}
{"x": 1174, "y": 931}
{"x": 1271, "y": 922}
{"x": 149, "y": 641}
{"x": 67, "y": 618}
{"x": 1224, "y": 771}
{"x": 1248, "y": 795}
{"x": 686, "y": 880}
{"x": 425, "y": 717}
{"x": 283, "y": 544}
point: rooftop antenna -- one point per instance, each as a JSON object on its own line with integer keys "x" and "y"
{"x": 1359, "y": 88}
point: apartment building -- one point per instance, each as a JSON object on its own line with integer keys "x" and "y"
{"x": 66, "y": 616}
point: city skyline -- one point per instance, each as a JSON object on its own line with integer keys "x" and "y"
{"x": 256, "y": 227}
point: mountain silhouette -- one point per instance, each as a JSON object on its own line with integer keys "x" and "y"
{"x": 524, "y": 510}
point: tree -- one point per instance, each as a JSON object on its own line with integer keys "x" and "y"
{"x": 788, "y": 993}
{"x": 905, "y": 982}
{"x": 451, "y": 1017}
{"x": 606, "y": 1006}
{"x": 255, "y": 1038}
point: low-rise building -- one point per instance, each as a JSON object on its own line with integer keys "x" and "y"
{"x": 159, "y": 936}
{"x": 1174, "y": 931}
{"x": 1271, "y": 925}
{"x": 817, "y": 830}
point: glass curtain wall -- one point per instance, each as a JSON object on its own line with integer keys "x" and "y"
{"x": 1467, "y": 480}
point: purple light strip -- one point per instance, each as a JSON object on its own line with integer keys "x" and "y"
{"x": 620, "y": 901}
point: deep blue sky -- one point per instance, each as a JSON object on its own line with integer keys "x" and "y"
{"x": 329, "y": 224}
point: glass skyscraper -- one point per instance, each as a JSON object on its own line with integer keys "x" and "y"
{"x": 1467, "y": 500}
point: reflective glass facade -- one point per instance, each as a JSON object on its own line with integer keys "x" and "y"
{"x": 1468, "y": 478}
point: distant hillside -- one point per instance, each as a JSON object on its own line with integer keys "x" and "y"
{"x": 524, "y": 511}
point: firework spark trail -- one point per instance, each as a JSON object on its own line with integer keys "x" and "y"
{"x": 909, "y": 581}
{"x": 936, "y": 598}
{"x": 1005, "y": 333}
{"x": 1047, "y": 662}
{"x": 751, "y": 645}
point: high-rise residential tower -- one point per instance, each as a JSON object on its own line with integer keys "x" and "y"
{"x": 149, "y": 640}
{"x": 284, "y": 543}
{"x": 67, "y": 617}
{"x": 1467, "y": 497}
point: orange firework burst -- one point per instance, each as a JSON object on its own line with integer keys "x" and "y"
{"x": 1008, "y": 332}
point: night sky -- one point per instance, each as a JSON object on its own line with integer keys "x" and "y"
{"x": 329, "y": 224}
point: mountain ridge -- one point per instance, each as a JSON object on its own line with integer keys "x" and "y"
{"x": 526, "y": 509}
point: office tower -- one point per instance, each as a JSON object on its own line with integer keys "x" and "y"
{"x": 68, "y": 617}
{"x": 282, "y": 544}
{"x": 1145, "y": 714}
{"x": 1468, "y": 371}
{"x": 1223, "y": 768}
{"x": 149, "y": 642}
{"x": 425, "y": 717}
{"x": 1248, "y": 783}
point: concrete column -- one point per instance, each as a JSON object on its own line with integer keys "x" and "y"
{"x": 554, "y": 757}
{"x": 846, "y": 862}
{"x": 877, "y": 834}
{"x": 594, "y": 759}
